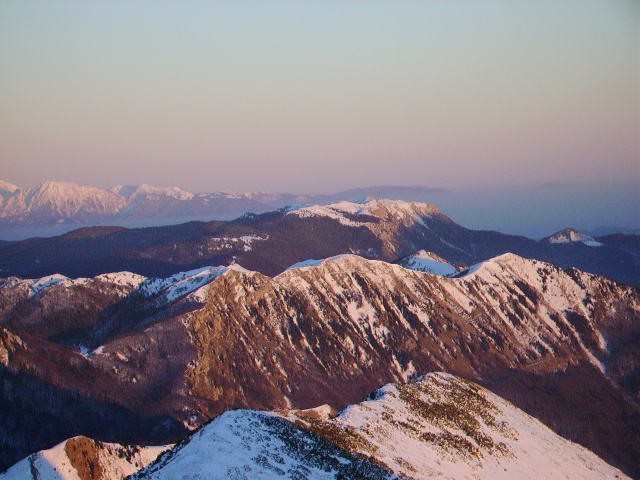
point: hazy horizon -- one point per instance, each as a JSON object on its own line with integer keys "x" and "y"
{"x": 534, "y": 211}
{"x": 291, "y": 96}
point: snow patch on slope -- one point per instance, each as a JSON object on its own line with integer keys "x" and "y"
{"x": 185, "y": 283}
{"x": 45, "y": 282}
{"x": 429, "y": 262}
{"x": 570, "y": 235}
{"x": 7, "y": 187}
{"x": 315, "y": 263}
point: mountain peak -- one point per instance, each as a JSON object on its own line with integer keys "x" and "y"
{"x": 7, "y": 187}
{"x": 133, "y": 191}
{"x": 571, "y": 235}
{"x": 356, "y": 213}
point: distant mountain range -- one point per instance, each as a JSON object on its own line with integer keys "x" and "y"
{"x": 57, "y": 207}
{"x": 269, "y": 243}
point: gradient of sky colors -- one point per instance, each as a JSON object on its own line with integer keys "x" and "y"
{"x": 319, "y": 96}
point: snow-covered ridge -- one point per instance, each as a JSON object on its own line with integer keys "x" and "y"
{"x": 60, "y": 199}
{"x": 7, "y": 187}
{"x": 55, "y": 201}
{"x": 550, "y": 291}
{"x": 571, "y": 235}
{"x": 439, "y": 426}
{"x": 315, "y": 262}
{"x": 421, "y": 261}
{"x": 37, "y": 286}
{"x": 64, "y": 200}
{"x": 45, "y": 282}
{"x": 191, "y": 283}
{"x": 77, "y": 457}
{"x": 445, "y": 427}
{"x": 183, "y": 283}
{"x": 348, "y": 213}
{"x": 132, "y": 192}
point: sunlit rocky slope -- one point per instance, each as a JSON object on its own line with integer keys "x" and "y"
{"x": 134, "y": 360}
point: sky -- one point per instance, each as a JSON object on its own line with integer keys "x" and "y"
{"x": 320, "y": 96}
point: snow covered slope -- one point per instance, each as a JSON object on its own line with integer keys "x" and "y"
{"x": 81, "y": 458}
{"x": 429, "y": 262}
{"x": 444, "y": 427}
{"x": 182, "y": 284}
{"x": 60, "y": 200}
{"x": 439, "y": 426}
{"x": 243, "y": 444}
{"x": 355, "y": 214}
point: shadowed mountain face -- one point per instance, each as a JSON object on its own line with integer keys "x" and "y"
{"x": 194, "y": 345}
{"x": 269, "y": 243}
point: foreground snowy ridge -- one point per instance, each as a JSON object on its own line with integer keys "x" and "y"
{"x": 328, "y": 333}
{"x": 439, "y": 426}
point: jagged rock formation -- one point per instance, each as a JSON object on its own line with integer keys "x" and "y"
{"x": 174, "y": 353}
{"x": 439, "y": 426}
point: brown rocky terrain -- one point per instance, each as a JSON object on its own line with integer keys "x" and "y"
{"x": 557, "y": 343}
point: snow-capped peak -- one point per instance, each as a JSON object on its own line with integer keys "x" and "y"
{"x": 355, "y": 214}
{"x": 62, "y": 199}
{"x": 132, "y": 192}
{"x": 44, "y": 282}
{"x": 192, "y": 283}
{"x": 499, "y": 263}
{"x": 7, "y": 187}
{"x": 315, "y": 262}
{"x": 571, "y": 235}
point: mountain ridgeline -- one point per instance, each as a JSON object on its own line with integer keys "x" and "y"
{"x": 53, "y": 208}
{"x": 438, "y": 426}
{"x": 138, "y": 360}
{"x": 269, "y": 243}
